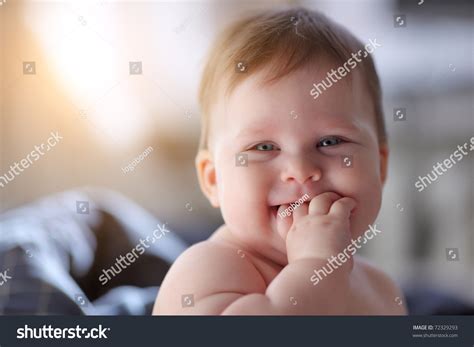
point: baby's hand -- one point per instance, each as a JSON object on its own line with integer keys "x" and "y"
{"x": 320, "y": 230}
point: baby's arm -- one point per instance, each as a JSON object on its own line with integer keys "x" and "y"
{"x": 222, "y": 282}
{"x": 215, "y": 275}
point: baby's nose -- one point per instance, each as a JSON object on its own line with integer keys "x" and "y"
{"x": 300, "y": 170}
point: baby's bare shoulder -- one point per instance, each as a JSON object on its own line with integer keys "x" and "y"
{"x": 211, "y": 275}
{"x": 378, "y": 288}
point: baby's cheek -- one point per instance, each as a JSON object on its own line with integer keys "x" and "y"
{"x": 246, "y": 221}
{"x": 361, "y": 183}
{"x": 243, "y": 199}
{"x": 369, "y": 200}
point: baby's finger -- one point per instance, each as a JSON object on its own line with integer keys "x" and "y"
{"x": 321, "y": 204}
{"x": 342, "y": 208}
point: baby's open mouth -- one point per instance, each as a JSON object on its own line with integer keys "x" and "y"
{"x": 274, "y": 210}
{"x": 290, "y": 207}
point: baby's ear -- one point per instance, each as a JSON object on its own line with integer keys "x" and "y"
{"x": 206, "y": 172}
{"x": 383, "y": 151}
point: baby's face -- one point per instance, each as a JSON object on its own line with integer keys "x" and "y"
{"x": 290, "y": 144}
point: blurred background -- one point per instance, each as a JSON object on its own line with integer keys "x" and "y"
{"x": 115, "y": 78}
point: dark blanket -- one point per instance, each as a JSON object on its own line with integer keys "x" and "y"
{"x": 53, "y": 252}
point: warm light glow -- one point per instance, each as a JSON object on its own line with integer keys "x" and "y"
{"x": 92, "y": 72}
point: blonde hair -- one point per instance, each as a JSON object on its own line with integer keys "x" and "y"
{"x": 271, "y": 39}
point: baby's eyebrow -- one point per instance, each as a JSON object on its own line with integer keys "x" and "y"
{"x": 251, "y": 131}
{"x": 254, "y": 130}
{"x": 349, "y": 127}
{"x": 344, "y": 126}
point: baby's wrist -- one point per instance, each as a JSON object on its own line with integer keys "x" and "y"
{"x": 322, "y": 256}
{"x": 325, "y": 264}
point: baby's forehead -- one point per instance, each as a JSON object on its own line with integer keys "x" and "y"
{"x": 289, "y": 96}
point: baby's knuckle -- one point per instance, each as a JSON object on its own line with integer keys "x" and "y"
{"x": 326, "y": 221}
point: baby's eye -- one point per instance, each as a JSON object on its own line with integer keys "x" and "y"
{"x": 330, "y": 141}
{"x": 265, "y": 147}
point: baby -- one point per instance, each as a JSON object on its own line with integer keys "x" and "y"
{"x": 296, "y": 161}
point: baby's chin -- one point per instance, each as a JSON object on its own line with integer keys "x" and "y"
{"x": 261, "y": 233}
